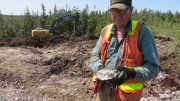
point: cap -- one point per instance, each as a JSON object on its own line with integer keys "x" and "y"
{"x": 120, "y": 4}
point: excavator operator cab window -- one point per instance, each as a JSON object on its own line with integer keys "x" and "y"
{"x": 47, "y": 27}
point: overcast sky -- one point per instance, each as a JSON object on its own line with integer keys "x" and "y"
{"x": 18, "y": 7}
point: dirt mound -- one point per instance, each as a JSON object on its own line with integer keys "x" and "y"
{"x": 40, "y": 41}
{"x": 59, "y": 71}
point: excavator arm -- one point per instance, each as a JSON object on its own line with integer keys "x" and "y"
{"x": 65, "y": 18}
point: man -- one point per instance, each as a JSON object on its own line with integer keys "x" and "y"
{"x": 129, "y": 47}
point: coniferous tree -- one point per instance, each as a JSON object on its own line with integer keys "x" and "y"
{"x": 84, "y": 20}
{"x": 1, "y": 25}
{"x": 35, "y": 17}
{"x": 55, "y": 13}
{"x": 43, "y": 17}
{"x": 99, "y": 23}
{"x": 92, "y": 23}
{"x": 27, "y": 24}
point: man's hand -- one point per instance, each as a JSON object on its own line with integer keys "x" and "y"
{"x": 123, "y": 75}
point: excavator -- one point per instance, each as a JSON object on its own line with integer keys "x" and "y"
{"x": 50, "y": 30}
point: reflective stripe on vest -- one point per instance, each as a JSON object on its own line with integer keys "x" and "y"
{"x": 109, "y": 31}
{"x": 133, "y": 25}
{"x": 129, "y": 50}
{"x": 131, "y": 87}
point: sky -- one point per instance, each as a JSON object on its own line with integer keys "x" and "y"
{"x": 18, "y": 7}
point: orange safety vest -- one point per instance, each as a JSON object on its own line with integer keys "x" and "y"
{"x": 131, "y": 56}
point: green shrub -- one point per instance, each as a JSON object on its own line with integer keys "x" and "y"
{"x": 1, "y": 34}
{"x": 177, "y": 36}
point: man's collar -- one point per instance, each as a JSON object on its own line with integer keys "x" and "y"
{"x": 114, "y": 28}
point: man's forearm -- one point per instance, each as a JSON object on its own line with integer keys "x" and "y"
{"x": 95, "y": 63}
{"x": 147, "y": 72}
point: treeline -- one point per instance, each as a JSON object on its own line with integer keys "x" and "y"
{"x": 90, "y": 22}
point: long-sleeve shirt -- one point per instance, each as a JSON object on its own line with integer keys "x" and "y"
{"x": 146, "y": 44}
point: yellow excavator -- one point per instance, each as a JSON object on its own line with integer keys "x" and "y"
{"x": 50, "y": 30}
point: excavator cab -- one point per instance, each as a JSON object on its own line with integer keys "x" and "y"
{"x": 47, "y": 27}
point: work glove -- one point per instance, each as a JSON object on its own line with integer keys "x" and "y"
{"x": 123, "y": 75}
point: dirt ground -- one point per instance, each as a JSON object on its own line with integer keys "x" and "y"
{"x": 56, "y": 69}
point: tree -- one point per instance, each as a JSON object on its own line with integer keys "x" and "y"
{"x": 1, "y": 25}
{"x": 35, "y": 17}
{"x": 99, "y": 23}
{"x": 55, "y": 14}
{"x": 27, "y": 24}
{"x": 92, "y": 23}
{"x": 43, "y": 17}
{"x": 84, "y": 20}
{"x": 49, "y": 17}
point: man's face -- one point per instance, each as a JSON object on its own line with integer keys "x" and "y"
{"x": 119, "y": 17}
